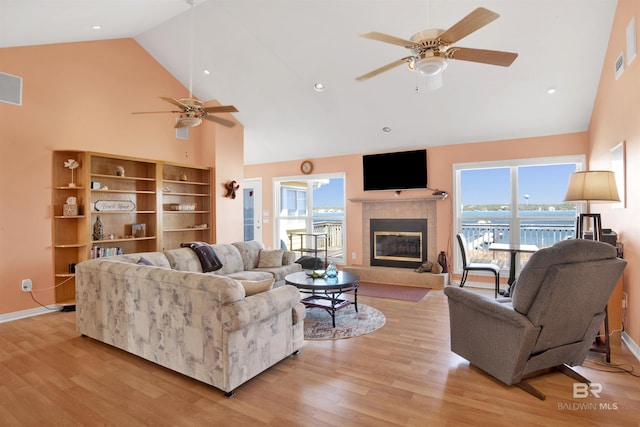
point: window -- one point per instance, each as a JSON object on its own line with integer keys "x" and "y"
{"x": 518, "y": 202}
{"x": 313, "y": 204}
{"x": 294, "y": 199}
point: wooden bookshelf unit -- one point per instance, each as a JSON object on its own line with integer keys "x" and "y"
{"x": 143, "y": 205}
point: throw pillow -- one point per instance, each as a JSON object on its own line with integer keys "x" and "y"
{"x": 252, "y": 287}
{"x": 144, "y": 261}
{"x": 270, "y": 258}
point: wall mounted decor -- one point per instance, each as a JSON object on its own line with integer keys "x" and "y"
{"x": 231, "y": 187}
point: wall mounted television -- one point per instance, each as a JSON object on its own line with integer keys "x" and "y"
{"x": 395, "y": 171}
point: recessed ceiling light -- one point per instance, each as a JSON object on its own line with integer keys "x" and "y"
{"x": 386, "y": 129}
{"x": 551, "y": 90}
{"x": 207, "y": 72}
{"x": 96, "y": 27}
{"x": 318, "y": 87}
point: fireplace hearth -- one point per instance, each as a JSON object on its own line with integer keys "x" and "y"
{"x": 398, "y": 242}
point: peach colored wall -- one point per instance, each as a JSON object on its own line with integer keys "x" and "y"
{"x": 227, "y": 146}
{"x": 615, "y": 119}
{"x": 440, "y": 164}
{"x": 76, "y": 96}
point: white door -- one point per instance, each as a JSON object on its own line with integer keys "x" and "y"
{"x": 252, "y": 196}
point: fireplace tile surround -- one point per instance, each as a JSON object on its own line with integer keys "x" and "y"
{"x": 424, "y": 208}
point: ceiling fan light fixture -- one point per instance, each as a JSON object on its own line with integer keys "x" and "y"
{"x": 188, "y": 121}
{"x": 433, "y": 82}
{"x": 430, "y": 66}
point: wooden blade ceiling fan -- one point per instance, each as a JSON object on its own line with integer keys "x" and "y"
{"x": 431, "y": 49}
{"x": 192, "y": 110}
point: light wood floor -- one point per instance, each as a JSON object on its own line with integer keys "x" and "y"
{"x": 400, "y": 375}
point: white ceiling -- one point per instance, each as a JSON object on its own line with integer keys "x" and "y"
{"x": 266, "y": 55}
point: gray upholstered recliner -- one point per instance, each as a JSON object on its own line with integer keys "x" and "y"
{"x": 557, "y": 307}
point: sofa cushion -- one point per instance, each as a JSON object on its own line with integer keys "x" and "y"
{"x": 279, "y": 273}
{"x": 251, "y": 275}
{"x": 249, "y": 251}
{"x": 252, "y": 287}
{"x": 270, "y": 258}
{"x": 184, "y": 259}
{"x": 157, "y": 259}
{"x": 230, "y": 257}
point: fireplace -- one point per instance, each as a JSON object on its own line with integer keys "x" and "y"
{"x": 398, "y": 242}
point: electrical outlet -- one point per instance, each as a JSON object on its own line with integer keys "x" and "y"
{"x": 26, "y": 285}
{"x": 353, "y": 255}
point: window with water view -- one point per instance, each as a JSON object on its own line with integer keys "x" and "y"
{"x": 514, "y": 202}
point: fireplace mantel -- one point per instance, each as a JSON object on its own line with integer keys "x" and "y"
{"x": 398, "y": 199}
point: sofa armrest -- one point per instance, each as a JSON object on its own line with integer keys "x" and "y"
{"x": 299, "y": 313}
{"x": 253, "y": 309}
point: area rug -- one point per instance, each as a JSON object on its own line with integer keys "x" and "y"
{"x": 405, "y": 293}
{"x": 318, "y": 325}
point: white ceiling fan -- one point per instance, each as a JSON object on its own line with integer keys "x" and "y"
{"x": 192, "y": 110}
{"x": 431, "y": 49}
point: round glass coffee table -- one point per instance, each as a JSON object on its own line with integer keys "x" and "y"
{"x": 326, "y": 292}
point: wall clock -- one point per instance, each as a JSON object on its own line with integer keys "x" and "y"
{"x": 306, "y": 167}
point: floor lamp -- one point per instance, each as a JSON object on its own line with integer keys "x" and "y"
{"x": 593, "y": 186}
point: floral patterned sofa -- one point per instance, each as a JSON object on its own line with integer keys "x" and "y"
{"x": 204, "y": 325}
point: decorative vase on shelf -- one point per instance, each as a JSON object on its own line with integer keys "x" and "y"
{"x": 442, "y": 260}
{"x": 331, "y": 270}
{"x": 98, "y": 229}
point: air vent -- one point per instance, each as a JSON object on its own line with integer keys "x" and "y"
{"x": 10, "y": 89}
{"x": 182, "y": 133}
{"x": 619, "y": 65}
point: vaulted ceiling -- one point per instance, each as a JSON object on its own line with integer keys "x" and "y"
{"x": 264, "y": 57}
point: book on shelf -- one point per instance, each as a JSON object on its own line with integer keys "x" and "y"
{"x": 98, "y": 252}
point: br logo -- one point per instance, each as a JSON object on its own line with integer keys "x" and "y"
{"x": 582, "y": 390}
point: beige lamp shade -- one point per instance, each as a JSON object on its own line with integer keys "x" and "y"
{"x": 592, "y": 186}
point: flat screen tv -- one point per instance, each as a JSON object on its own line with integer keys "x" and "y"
{"x": 395, "y": 171}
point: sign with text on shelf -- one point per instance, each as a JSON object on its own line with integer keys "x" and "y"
{"x": 114, "y": 205}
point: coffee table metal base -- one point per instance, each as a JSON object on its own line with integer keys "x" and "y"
{"x": 331, "y": 302}
{"x": 325, "y": 293}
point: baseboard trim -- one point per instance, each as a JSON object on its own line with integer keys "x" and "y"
{"x": 8, "y": 317}
{"x": 631, "y": 345}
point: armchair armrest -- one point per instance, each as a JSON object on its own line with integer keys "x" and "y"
{"x": 500, "y": 309}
